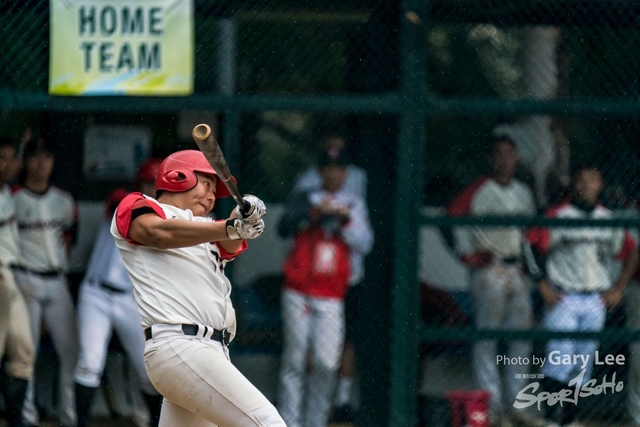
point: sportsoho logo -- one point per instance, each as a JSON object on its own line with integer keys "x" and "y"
{"x": 576, "y": 388}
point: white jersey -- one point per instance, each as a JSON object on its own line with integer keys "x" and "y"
{"x": 106, "y": 265}
{"x": 486, "y": 197}
{"x": 45, "y": 222}
{"x": 581, "y": 259}
{"x": 176, "y": 286}
{"x": 9, "y": 252}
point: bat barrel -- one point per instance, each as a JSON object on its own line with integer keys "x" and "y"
{"x": 201, "y": 132}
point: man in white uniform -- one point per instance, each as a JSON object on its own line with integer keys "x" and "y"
{"x": 576, "y": 283}
{"x": 47, "y": 218}
{"x": 19, "y": 342}
{"x": 175, "y": 257}
{"x": 106, "y": 304}
{"x": 501, "y": 296}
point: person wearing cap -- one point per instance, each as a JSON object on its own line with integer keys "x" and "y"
{"x": 331, "y": 237}
{"x": 47, "y": 219}
{"x": 106, "y": 305}
{"x": 176, "y": 257}
{"x": 15, "y": 373}
{"x": 355, "y": 181}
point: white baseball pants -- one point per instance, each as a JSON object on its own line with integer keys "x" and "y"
{"x": 200, "y": 385}
{"x": 49, "y": 299}
{"x": 312, "y": 327}
{"x": 574, "y": 312}
{"x": 19, "y": 342}
{"x": 502, "y": 300}
{"x": 100, "y": 312}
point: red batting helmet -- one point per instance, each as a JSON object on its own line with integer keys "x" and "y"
{"x": 148, "y": 170}
{"x": 177, "y": 172}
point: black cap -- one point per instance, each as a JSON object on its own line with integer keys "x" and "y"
{"x": 34, "y": 145}
{"x": 333, "y": 157}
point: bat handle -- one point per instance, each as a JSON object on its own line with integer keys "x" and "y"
{"x": 244, "y": 206}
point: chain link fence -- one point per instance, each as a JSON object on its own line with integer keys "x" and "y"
{"x": 420, "y": 91}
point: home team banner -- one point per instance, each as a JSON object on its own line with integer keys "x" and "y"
{"x": 121, "y": 47}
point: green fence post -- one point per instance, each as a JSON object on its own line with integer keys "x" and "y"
{"x": 404, "y": 295}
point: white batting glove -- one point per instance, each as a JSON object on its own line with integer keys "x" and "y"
{"x": 256, "y": 210}
{"x": 243, "y": 229}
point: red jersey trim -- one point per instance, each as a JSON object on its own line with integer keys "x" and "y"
{"x": 461, "y": 204}
{"x": 628, "y": 247}
{"x": 226, "y": 255}
{"x": 540, "y": 238}
{"x": 125, "y": 209}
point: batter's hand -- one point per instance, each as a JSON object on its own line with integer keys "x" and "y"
{"x": 243, "y": 229}
{"x": 256, "y": 210}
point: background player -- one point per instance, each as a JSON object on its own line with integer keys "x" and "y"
{"x": 501, "y": 295}
{"x": 106, "y": 304}
{"x": 575, "y": 280}
{"x": 332, "y": 237}
{"x": 176, "y": 257}
{"x": 47, "y": 218}
{"x": 19, "y": 342}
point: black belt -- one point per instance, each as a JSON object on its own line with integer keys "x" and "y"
{"x": 218, "y": 335}
{"x": 573, "y": 291}
{"x": 52, "y": 273}
{"x": 511, "y": 260}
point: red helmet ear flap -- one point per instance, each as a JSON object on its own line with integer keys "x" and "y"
{"x": 174, "y": 176}
{"x": 176, "y": 180}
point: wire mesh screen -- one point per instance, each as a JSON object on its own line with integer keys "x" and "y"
{"x": 533, "y": 278}
{"x": 508, "y": 50}
{"x": 490, "y": 293}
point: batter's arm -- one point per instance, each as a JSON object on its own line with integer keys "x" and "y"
{"x": 151, "y": 230}
{"x": 231, "y": 246}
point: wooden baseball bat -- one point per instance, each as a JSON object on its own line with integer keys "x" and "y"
{"x": 211, "y": 149}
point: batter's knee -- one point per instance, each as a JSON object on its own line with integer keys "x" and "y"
{"x": 268, "y": 416}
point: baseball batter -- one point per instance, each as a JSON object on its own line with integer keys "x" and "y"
{"x": 47, "y": 218}
{"x": 175, "y": 257}
{"x": 19, "y": 343}
{"x": 106, "y": 304}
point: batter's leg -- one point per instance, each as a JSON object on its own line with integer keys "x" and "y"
{"x": 198, "y": 376}
{"x": 174, "y": 415}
